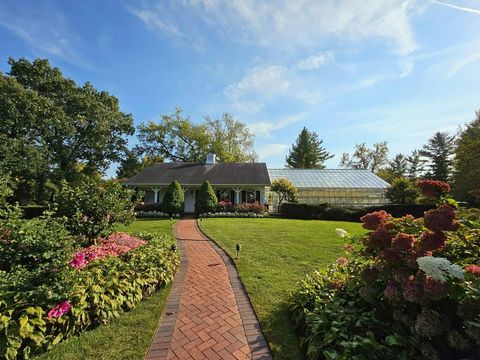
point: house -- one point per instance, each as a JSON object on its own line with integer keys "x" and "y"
{"x": 234, "y": 182}
{"x": 249, "y": 182}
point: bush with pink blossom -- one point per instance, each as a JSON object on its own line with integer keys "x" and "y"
{"x": 411, "y": 291}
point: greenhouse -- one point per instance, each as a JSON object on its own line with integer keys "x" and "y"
{"x": 341, "y": 187}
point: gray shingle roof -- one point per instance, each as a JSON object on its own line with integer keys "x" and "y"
{"x": 330, "y": 178}
{"x": 197, "y": 173}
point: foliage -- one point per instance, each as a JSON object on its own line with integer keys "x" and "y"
{"x": 226, "y": 206}
{"x": 285, "y": 190}
{"x": 176, "y": 138}
{"x": 92, "y": 208}
{"x": 402, "y": 191}
{"x": 307, "y": 152}
{"x": 231, "y": 140}
{"x": 402, "y": 292}
{"x": 439, "y": 151}
{"x": 54, "y": 129}
{"x": 229, "y": 214}
{"x": 398, "y": 166}
{"x": 102, "y": 291}
{"x": 155, "y": 214}
{"x": 206, "y": 199}
{"x": 174, "y": 201}
{"x": 365, "y": 158}
{"x": 466, "y": 177}
{"x": 415, "y": 164}
{"x": 131, "y": 164}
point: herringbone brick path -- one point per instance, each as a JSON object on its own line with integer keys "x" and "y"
{"x": 208, "y": 322}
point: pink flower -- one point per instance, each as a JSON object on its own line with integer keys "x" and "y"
{"x": 78, "y": 261}
{"x": 473, "y": 269}
{"x": 374, "y": 219}
{"x": 433, "y": 189}
{"x": 380, "y": 238}
{"x": 342, "y": 261}
{"x": 348, "y": 248}
{"x": 433, "y": 240}
{"x": 441, "y": 219}
{"x": 403, "y": 242}
{"x": 60, "y": 309}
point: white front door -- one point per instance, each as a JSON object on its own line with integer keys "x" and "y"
{"x": 190, "y": 201}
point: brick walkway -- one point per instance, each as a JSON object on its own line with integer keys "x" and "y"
{"x": 208, "y": 314}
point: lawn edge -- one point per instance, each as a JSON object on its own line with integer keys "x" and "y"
{"x": 257, "y": 343}
{"x": 160, "y": 343}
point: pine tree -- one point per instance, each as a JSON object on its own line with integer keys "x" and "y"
{"x": 206, "y": 199}
{"x": 398, "y": 166}
{"x": 439, "y": 152}
{"x": 174, "y": 199}
{"x": 307, "y": 152}
{"x": 415, "y": 165}
{"x": 467, "y": 163}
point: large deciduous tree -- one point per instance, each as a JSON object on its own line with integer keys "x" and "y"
{"x": 307, "y": 152}
{"x": 466, "y": 178}
{"x": 176, "y": 138}
{"x": 439, "y": 151}
{"x": 55, "y": 129}
{"x": 365, "y": 158}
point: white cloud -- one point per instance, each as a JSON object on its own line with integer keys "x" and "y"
{"x": 157, "y": 20}
{"x": 297, "y": 24}
{"x": 313, "y": 62}
{"x": 265, "y": 128}
{"x": 462, "y": 62}
{"x": 268, "y": 150}
{"x": 457, "y": 7}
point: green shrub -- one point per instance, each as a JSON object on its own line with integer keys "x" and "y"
{"x": 402, "y": 191}
{"x": 174, "y": 201}
{"x": 206, "y": 199}
{"x": 93, "y": 207}
{"x": 102, "y": 291}
{"x": 410, "y": 289}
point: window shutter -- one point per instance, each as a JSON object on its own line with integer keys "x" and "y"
{"x": 257, "y": 196}
{"x": 232, "y": 197}
{"x": 244, "y": 196}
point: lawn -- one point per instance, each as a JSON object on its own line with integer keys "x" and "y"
{"x": 276, "y": 254}
{"x": 129, "y": 335}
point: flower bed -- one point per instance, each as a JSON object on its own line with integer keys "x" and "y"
{"x": 155, "y": 215}
{"x": 234, "y": 215}
{"x": 101, "y": 282}
{"x": 408, "y": 289}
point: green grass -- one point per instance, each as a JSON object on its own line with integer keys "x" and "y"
{"x": 276, "y": 254}
{"x": 129, "y": 335}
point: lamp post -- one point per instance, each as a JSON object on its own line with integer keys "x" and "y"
{"x": 238, "y": 248}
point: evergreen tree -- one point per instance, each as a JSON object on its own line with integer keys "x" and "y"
{"x": 174, "y": 201}
{"x": 129, "y": 166}
{"x": 467, "y": 163}
{"x": 206, "y": 199}
{"x": 307, "y": 152}
{"x": 415, "y": 165}
{"x": 398, "y": 165}
{"x": 439, "y": 152}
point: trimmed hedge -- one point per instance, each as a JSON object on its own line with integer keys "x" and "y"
{"x": 328, "y": 212}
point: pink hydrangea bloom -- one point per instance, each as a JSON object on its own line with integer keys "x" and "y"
{"x": 59, "y": 310}
{"x": 342, "y": 261}
{"x": 78, "y": 261}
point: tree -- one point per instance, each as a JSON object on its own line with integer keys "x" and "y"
{"x": 398, "y": 165}
{"x": 415, "y": 165}
{"x": 230, "y": 140}
{"x": 206, "y": 199}
{"x": 402, "y": 191}
{"x": 307, "y": 152}
{"x": 364, "y": 158}
{"x": 94, "y": 207}
{"x": 439, "y": 151}
{"x": 176, "y": 138}
{"x": 131, "y": 164}
{"x": 285, "y": 190}
{"x": 55, "y": 129}
{"x": 466, "y": 178}
{"x": 174, "y": 201}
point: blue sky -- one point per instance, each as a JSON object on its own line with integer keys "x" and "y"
{"x": 352, "y": 70}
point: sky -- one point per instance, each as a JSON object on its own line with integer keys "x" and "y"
{"x": 353, "y": 71}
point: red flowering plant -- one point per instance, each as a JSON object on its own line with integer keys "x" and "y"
{"x": 411, "y": 284}
{"x": 433, "y": 189}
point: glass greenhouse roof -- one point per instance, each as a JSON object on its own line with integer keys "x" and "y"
{"x": 338, "y": 178}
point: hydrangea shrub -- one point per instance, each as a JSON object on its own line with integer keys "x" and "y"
{"x": 407, "y": 289}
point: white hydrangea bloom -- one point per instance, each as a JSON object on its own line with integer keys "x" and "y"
{"x": 341, "y": 233}
{"x": 439, "y": 268}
